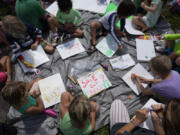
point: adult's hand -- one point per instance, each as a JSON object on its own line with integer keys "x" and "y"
{"x": 141, "y": 115}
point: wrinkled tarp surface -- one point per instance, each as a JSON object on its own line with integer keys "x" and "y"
{"x": 84, "y": 63}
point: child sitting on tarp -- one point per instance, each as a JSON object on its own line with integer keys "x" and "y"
{"x": 153, "y": 9}
{"x": 77, "y": 114}
{"x": 5, "y": 71}
{"x": 108, "y": 23}
{"x": 168, "y": 84}
{"x": 173, "y": 47}
{"x": 68, "y": 19}
{"x": 23, "y": 36}
{"x": 17, "y": 95}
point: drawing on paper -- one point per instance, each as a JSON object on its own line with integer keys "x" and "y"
{"x": 70, "y": 48}
{"x": 94, "y": 83}
{"x": 107, "y": 46}
{"x": 51, "y": 89}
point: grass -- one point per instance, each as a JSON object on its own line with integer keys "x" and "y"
{"x": 172, "y": 18}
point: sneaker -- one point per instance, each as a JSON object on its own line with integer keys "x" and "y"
{"x": 55, "y": 41}
{"x": 65, "y": 37}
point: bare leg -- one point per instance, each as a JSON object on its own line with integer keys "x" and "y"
{"x": 53, "y": 23}
{"x": 94, "y": 26}
{"x": 49, "y": 48}
{"x": 6, "y": 62}
{"x": 139, "y": 22}
{"x": 77, "y": 33}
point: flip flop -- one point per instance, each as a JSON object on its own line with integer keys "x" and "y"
{"x": 90, "y": 50}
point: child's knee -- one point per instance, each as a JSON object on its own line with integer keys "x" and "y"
{"x": 49, "y": 49}
{"x": 93, "y": 25}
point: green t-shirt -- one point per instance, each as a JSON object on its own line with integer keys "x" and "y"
{"x": 67, "y": 128}
{"x": 177, "y": 43}
{"x": 30, "y": 11}
{"x": 31, "y": 102}
{"x": 153, "y": 17}
{"x": 137, "y": 3}
{"x": 74, "y": 17}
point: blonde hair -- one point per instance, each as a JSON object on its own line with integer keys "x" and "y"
{"x": 14, "y": 93}
{"x": 79, "y": 109}
{"x": 14, "y": 26}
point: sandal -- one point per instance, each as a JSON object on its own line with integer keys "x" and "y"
{"x": 92, "y": 48}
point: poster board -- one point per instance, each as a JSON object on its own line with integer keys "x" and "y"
{"x": 36, "y": 57}
{"x": 138, "y": 69}
{"x": 87, "y": 5}
{"x": 145, "y": 50}
{"x": 131, "y": 28}
{"x": 148, "y": 123}
{"x": 107, "y": 46}
{"x": 70, "y": 48}
{"x": 122, "y": 62}
{"x": 51, "y": 89}
{"x": 94, "y": 83}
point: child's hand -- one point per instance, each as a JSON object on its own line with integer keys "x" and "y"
{"x": 34, "y": 46}
{"x": 141, "y": 115}
{"x": 35, "y": 94}
{"x": 143, "y": 4}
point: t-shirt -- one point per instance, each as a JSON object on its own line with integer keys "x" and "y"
{"x": 30, "y": 11}
{"x": 136, "y": 131}
{"x": 153, "y": 17}
{"x": 18, "y": 45}
{"x": 74, "y": 17}
{"x": 67, "y": 128}
{"x": 168, "y": 88}
{"x": 176, "y": 46}
{"x": 109, "y": 22}
{"x": 31, "y": 102}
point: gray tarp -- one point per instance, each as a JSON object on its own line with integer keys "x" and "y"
{"x": 84, "y": 63}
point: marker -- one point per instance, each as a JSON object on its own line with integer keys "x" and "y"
{"x": 72, "y": 79}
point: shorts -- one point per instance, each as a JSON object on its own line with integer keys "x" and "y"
{"x": 63, "y": 29}
{"x": 103, "y": 21}
{"x": 146, "y": 21}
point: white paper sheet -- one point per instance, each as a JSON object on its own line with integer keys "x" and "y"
{"x": 53, "y": 8}
{"x": 138, "y": 70}
{"x": 36, "y": 57}
{"x": 122, "y": 62}
{"x": 107, "y": 46}
{"x": 70, "y": 48}
{"x": 148, "y": 123}
{"x": 131, "y": 28}
{"x": 94, "y": 83}
{"x": 51, "y": 89}
{"x": 88, "y": 5}
{"x": 145, "y": 49}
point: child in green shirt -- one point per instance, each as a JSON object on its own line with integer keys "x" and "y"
{"x": 152, "y": 16}
{"x": 68, "y": 19}
{"x": 77, "y": 114}
{"x": 173, "y": 47}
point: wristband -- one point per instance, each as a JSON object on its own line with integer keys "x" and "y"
{"x": 134, "y": 122}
